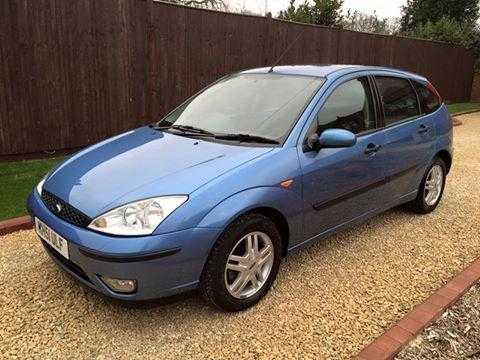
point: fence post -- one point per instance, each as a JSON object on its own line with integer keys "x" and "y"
{"x": 475, "y": 95}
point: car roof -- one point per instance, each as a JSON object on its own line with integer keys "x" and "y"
{"x": 329, "y": 70}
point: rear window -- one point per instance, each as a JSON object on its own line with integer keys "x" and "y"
{"x": 429, "y": 101}
{"x": 398, "y": 98}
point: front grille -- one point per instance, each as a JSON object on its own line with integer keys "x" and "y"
{"x": 64, "y": 210}
{"x": 65, "y": 262}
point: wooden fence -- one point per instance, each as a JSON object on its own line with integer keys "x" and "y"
{"x": 475, "y": 97}
{"x": 74, "y": 72}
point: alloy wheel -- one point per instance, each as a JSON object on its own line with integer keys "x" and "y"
{"x": 249, "y": 265}
{"x": 433, "y": 185}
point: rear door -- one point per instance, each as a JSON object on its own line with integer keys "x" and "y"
{"x": 409, "y": 134}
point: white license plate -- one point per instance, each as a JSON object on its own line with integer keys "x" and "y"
{"x": 51, "y": 237}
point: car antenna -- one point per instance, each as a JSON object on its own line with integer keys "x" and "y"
{"x": 286, "y": 51}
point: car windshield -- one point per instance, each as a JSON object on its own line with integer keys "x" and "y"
{"x": 261, "y": 105}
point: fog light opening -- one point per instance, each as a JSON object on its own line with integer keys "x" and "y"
{"x": 124, "y": 286}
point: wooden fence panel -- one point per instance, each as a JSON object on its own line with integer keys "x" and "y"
{"x": 167, "y": 74}
{"x": 75, "y": 72}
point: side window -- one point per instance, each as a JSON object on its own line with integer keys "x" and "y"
{"x": 398, "y": 98}
{"x": 429, "y": 101}
{"x": 349, "y": 107}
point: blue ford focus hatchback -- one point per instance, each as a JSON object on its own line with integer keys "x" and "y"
{"x": 250, "y": 169}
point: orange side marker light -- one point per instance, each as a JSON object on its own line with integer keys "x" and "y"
{"x": 286, "y": 184}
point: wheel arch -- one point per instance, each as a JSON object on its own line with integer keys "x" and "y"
{"x": 446, "y": 157}
{"x": 274, "y": 215}
{"x": 278, "y": 219}
{"x": 283, "y": 207}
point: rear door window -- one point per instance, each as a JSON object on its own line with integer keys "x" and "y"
{"x": 429, "y": 101}
{"x": 398, "y": 98}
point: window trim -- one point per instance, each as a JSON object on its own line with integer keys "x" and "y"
{"x": 379, "y": 105}
{"x": 411, "y": 118}
{"x": 418, "y": 97}
{"x": 440, "y": 100}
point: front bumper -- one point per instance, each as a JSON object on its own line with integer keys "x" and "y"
{"x": 163, "y": 264}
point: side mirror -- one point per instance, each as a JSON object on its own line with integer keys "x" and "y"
{"x": 330, "y": 138}
{"x": 337, "y": 138}
{"x": 312, "y": 143}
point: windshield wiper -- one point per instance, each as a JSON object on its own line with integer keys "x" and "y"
{"x": 192, "y": 130}
{"x": 184, "y": 129}
{"x": 246, "y": 138}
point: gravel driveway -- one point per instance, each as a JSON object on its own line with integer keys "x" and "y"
{"x": 328, "y": 302}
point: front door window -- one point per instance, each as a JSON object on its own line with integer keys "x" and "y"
{"x": 349, "y": 107}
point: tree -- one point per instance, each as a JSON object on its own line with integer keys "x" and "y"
{"x": 209, "y": 4}
{"x": 358, "y": 21}
{"x": 419, "y": 12}
{"x": 302, "y": 13}
{"x": 451, "y": 21}
{"x": 320, "y": 12}
{"x": 450, "y": 31}
{"x": 245, "y": 11}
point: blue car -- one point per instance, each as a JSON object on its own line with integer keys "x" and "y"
{"x": 252, "y": 168}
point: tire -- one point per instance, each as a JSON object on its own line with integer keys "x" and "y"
{"x": 217, "y": 282}
{"x": 420, "y": 205}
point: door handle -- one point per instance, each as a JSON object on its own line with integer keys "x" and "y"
{"x": 372, "y": 149}
{"x": 422, "y": 129}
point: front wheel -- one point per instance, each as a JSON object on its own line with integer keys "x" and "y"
{"x": 243, "y": 263}
{"x": 431, "y": 188}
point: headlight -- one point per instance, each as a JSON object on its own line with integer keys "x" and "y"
{"x": 40, "y": 186}
{"x": 137, "y": 218}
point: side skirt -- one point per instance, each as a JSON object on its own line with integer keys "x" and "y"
{"x": 350, "y": 223}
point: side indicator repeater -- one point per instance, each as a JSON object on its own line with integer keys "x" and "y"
{"x": 286, "y": 184}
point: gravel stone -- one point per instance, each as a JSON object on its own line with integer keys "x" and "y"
{"x": 329, "y": 301}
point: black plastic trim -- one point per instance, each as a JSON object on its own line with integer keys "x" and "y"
{"x": 351, "y": 194}
{"x": 67, "y": 212}
{"x": 122, "y": 258}
{"x": 344, "y": 197}
{"x": 68, "y": 264}
{"x": 402, "y": 173}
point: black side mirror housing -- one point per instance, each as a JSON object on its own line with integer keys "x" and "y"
{"x": 312, "y": 143}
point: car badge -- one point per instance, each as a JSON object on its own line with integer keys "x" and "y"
{"x": 59, "y": 207}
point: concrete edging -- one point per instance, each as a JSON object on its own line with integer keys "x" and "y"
{"x": 15, "y": 224}
{"x": 390, "y": 343}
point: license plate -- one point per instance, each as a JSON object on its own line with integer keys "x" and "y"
{"x": 51, "y": 237}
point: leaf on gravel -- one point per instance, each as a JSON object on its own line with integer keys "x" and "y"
{"x": 452, "y": 334}
{"x": 433, "y": 336}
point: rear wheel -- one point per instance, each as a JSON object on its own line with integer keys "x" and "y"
{"x": 431, "y": 188}
{"x": 243, "y": 263}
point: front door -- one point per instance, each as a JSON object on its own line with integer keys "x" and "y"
{"x": 340, "y": 185}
